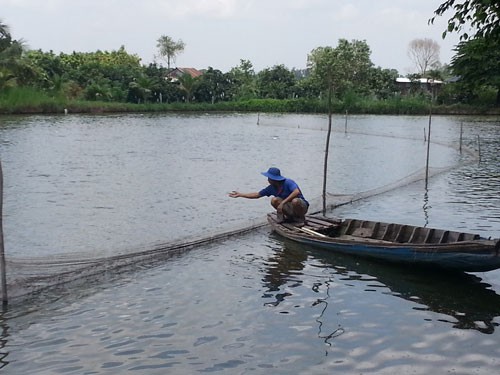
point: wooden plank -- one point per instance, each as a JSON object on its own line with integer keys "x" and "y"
{"x": 319, "y": 221}
{"x": 311, "y": 232}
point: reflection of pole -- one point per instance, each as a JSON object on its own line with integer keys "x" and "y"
{"x": 428, "y": 149}
{"x": 425, "y": 207}
{"x": 2, "y": 253}
{"x": 325, "y": 166}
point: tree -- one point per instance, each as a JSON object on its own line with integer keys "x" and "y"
{"x": 424, "y": 53}
{"x": 169, "y": 49}
{"x": 277, "y": 82}
{"x": 343, "y": 69}
{"x": 140, "y": 89}
{"x": 242, "y": 79}
{"x": 16, "y": 70}
{"x": 476, "y": 63}
{"x": 109, "y": 73}
{"x": 483, "y": 15}
{"x": 382, "y": 82}
{"x": 188, "y": 84}
{"x": 212, "y": 86}
{"x": 4, "y": 31}
{"x": 163, "y": 91}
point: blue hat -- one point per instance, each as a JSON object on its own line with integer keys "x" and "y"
{"x": 273, "y": 174}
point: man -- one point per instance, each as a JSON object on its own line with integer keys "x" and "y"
{"x": 287, "y": 199}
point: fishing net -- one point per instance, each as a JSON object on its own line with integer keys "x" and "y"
{"x": 30, "y": 276}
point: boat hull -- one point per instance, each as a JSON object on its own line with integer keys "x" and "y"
{"x": 474, "y": 255}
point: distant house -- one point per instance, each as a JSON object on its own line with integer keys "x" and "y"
{"x": 178, "y": 72}
{"x": 406, "y": 85}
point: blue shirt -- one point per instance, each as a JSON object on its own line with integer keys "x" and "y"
{"x": 284, "y": 191}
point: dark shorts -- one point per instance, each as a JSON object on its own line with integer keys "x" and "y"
{"x": 288, "y": 206}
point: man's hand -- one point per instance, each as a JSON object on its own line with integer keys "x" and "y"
{"x": 234, "y": 194}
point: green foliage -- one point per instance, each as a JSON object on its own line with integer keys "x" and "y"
{"x": 37, "y": 81}
{"x": 28, "y": 100}
{"x": 140, "y": 90}
{"x": 188, "y": 85}
{"x": 162, "y": 91}
{"x": 483, "y": 15}
{"x": 476, "y": 63}
{"x": 382, "y": 82}
{"x": 213, "y": 86}
{"x": 7, "y": 79}
{"x": 276, "y": 83}
{"x": 343, "y": 68}
{"x": 242, "y": 82}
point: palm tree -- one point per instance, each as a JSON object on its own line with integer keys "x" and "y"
{"x": 168, "y": 48}
{"x": 9, "y": 54}
{"x": 188, "y": 84}
{"x": 141, "y": 88}
{"x": 4, "y": 30}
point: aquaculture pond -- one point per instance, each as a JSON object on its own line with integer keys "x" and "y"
{"x": 93, "y": 192}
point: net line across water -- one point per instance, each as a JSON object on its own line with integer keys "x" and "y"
{"x": 29, "y": 276}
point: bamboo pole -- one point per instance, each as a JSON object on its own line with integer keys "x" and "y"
{"x": 325, "y": 166}
{"x": 3, "y": 273}
{"x": 428, "y": 149}
{"x": 479, "y": 147}
{"x": 461, "y": 135}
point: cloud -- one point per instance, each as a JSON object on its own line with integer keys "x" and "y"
{"x": 220, "y": 32}
{"x": 347, "y": 12}
{"x": 207, "y": 9}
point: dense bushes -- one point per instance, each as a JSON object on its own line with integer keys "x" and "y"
{"x": 25, "y": 100}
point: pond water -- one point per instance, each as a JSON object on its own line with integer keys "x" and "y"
{"x": 78, "y": 188}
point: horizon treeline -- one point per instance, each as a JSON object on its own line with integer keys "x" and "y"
{"x": 119, "y": 77}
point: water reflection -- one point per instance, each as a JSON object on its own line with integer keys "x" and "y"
{"x": 468, "y": 302}
{"x": 282, "y": 268}
{"x": 3, "y": 341}
{"x": 286, "y": 270}
{"x": 425, "y": 207}
{"x": 325, "y": 302}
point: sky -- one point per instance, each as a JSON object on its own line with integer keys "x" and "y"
{"x": 220, "y": 33}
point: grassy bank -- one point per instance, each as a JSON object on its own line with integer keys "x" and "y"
{"x": 28, "y": 101}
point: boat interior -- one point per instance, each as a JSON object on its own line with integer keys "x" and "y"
{"x": 398, "y": 233}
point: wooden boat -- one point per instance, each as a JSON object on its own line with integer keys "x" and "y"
{"x": 405, "y": 244}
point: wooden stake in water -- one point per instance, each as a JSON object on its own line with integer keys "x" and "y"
{"x": 479, "y": 147}
{"x": 3, "y": 272}
{"x": 461, "y": 134}
{"x": 345, "y": 127}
